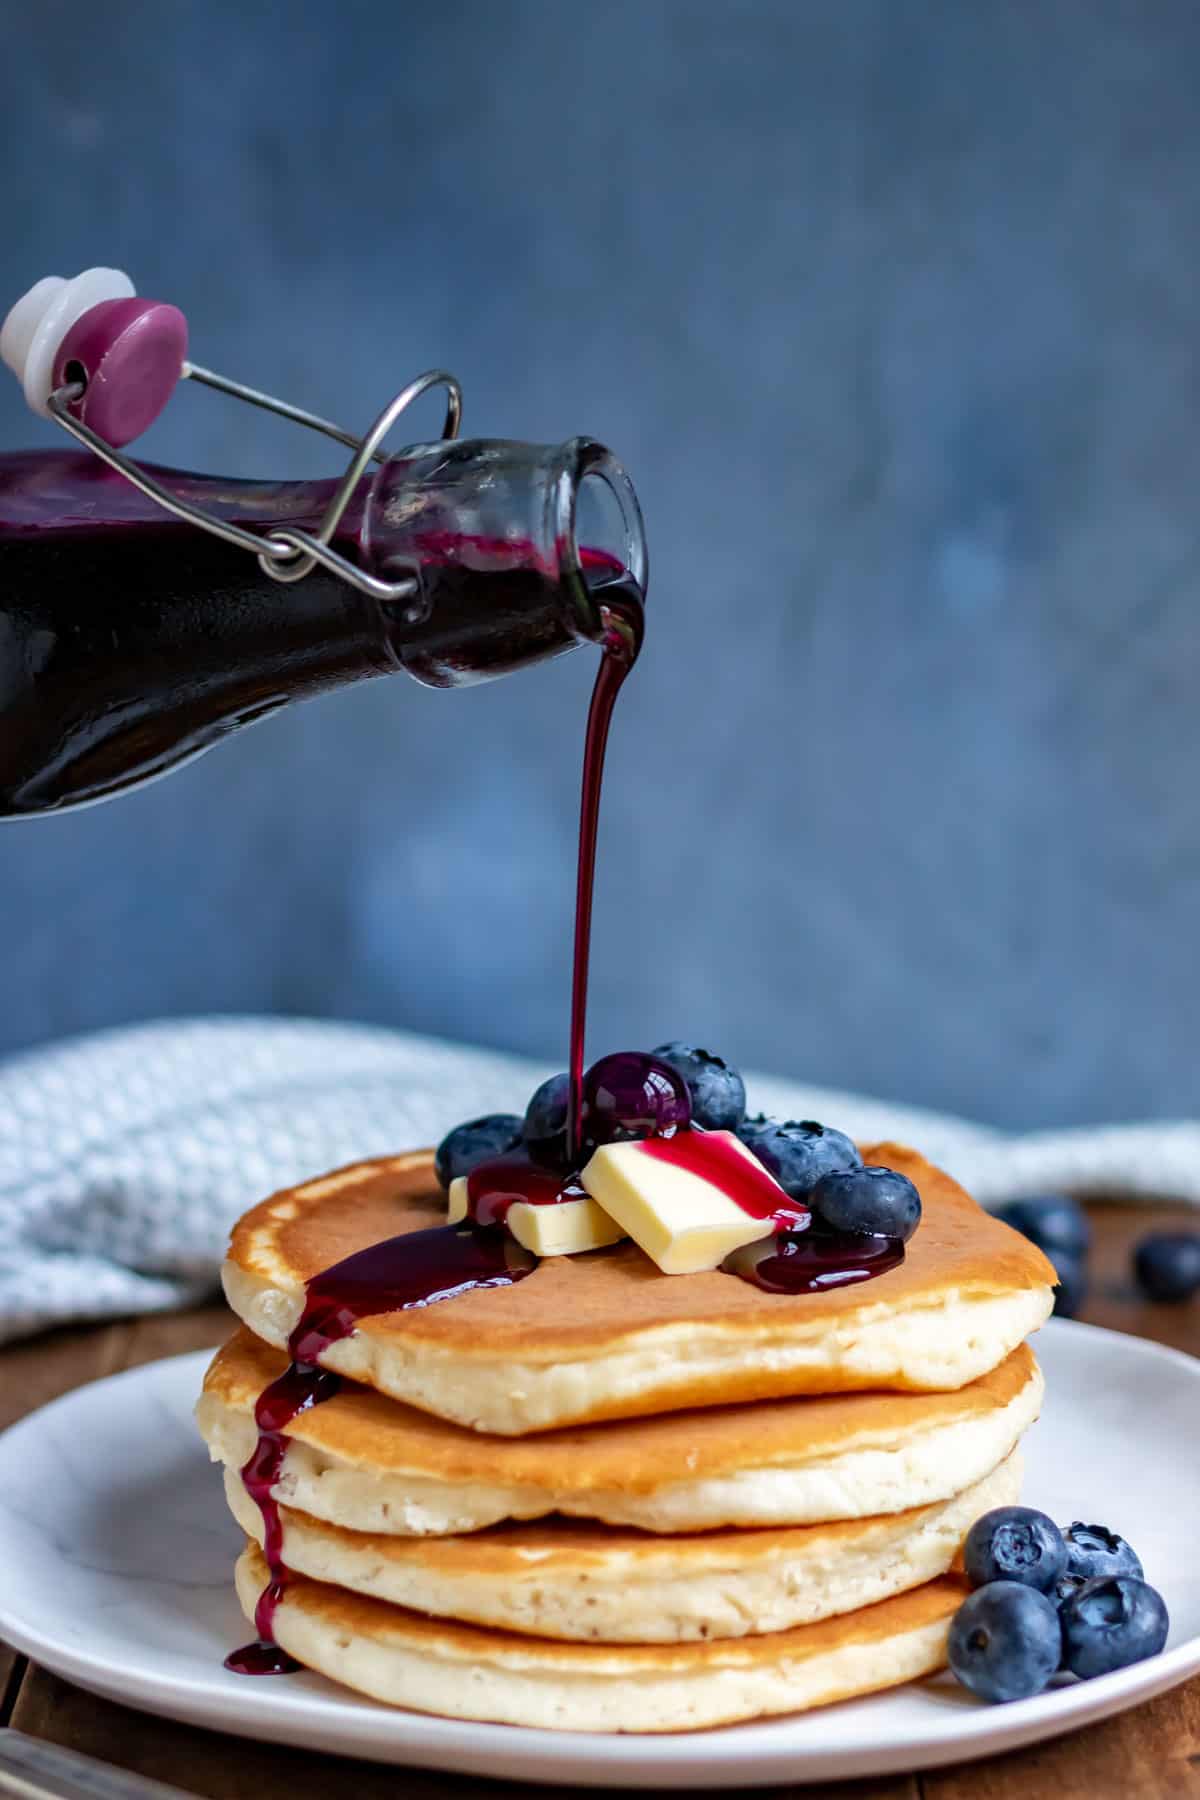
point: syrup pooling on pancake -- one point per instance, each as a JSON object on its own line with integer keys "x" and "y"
{"x": 415, "y": 1270}
{"x": 802, "y": 1263}
{"x": 795, "y": 1259}
{"x": 496, "y": 1186}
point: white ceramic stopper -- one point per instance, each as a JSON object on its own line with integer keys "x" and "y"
{"x": 41, "y": 319}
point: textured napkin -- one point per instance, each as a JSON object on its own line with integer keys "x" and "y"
{"x": 126, "y": 1156}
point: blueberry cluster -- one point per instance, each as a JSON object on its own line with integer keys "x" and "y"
{"x": 633, "y": 1094}
{"x": 1047, "y": 1600}
{"x": 1166, "y": 1265}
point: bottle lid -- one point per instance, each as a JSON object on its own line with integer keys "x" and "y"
{"x": 36, "y": 326}
{"x": 102, "y": 364}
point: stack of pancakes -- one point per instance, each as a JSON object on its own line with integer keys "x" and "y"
{"x": 611, "y": 1499}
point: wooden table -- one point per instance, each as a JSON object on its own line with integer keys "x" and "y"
{"x": 1151, "y": 1752}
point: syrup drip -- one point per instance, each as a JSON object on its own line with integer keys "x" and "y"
{"x": 718, "y": 1158}
{"x": 417, "y": 1269}
{"x": 620, "y": 604}
{"x": 811, "y": 1262}
{"x": 494, "y": 1187}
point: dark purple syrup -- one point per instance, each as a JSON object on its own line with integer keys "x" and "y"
{"x": 261, "y": 1658}
{"x": 801, "y": 1257}
{"x": 417, "y": 1269}
{"x": 810, "y": 1262}
{"x": 620, "y": 604}
{"x": 719, "y": 1159}
{"x": 494, "y": 1187}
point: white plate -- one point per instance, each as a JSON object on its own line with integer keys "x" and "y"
{"x": 116, "y": 1554}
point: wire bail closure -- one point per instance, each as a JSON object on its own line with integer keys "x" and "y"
{"x": 285, "y": 553}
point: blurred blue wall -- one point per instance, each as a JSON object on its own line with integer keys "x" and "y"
{"x": 892, "y": 313}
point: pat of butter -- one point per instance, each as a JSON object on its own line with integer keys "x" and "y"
{"x": 456, "y": 1210}
{"x": 562, "y": 1230}
{"x": 678, "y": 1217}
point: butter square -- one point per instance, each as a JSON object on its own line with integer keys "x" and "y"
{"x": 562, "y": 1230}
{"x": 681, "y": 1220}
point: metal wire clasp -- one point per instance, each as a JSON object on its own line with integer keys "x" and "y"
{"x": 285, "y": 553}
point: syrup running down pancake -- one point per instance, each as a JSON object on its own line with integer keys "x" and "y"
{"x": 606, "y": 1335}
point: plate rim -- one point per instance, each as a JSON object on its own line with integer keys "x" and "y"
{"x": 353, "y": 1725}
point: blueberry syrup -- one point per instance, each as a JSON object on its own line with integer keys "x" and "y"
{"x": 718, "y": 1158}
{"x": 417, "y": 1269}
{"x": 810, "y": 1262}
{"x": 620, "y": 606}
{"x": 495, "y": 1186}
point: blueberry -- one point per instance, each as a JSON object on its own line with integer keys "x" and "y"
{"x": 545, "y": 1125}
{"x": 1070, "y": 1290}
{"x": 1065, "y": 1588}
{"x": 1005, "y": 1641}
{"x": 1110, "y": 1623}
{"x": 867, "y": 1200}
{"x": 799, "y": 1151}
{"x": 1015, "y": 1543}
{"x": 1054, "y": 1222}
{"x": 632, "y": 1095}
{"x": 475, "y": 1142}
{"x": 1093, "y": 1550}
{"x": 1167, "y": 1265}
{"x": 717, "y": 1092}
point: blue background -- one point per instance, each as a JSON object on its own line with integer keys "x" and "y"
{"x": 891, "y": 311}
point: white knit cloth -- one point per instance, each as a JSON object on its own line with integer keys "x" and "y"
{"x": 126, "y": 1156}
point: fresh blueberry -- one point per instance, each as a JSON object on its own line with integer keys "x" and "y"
{"x": 545, "y": 1125}
{"x": 1110, "y": 1623}
{"x": 1093, "y": 1550}
{"x": 1167, "y": 1265}
{"x": 754, "y": 1125}
{"x": 1015, "y": 1543}
{"x": 1065, "y": 1588}
{"x": 631, "y": 1095}
{"x": 867, "y": 1200}
{"x": 717, "y": 1092}
{"x": 1070, "y": 1290}
{"x": 477, "y": 1141}
{"x": 1005, "y": 1641}
{"x": 798, "y": 1151}
{"x": 1054, "y": 1222}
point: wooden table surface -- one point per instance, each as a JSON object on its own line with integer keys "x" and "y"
{"x": 1149, "y": 1752}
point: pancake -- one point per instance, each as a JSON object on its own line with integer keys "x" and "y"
{"x": 562, "y": 1578}
{"x": 466, "y": 1672}
{"x": 605, "y": 1335}
{"x": 372, "y": 1464}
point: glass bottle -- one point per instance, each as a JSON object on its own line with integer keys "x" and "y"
{"x": 130, "y": 640}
